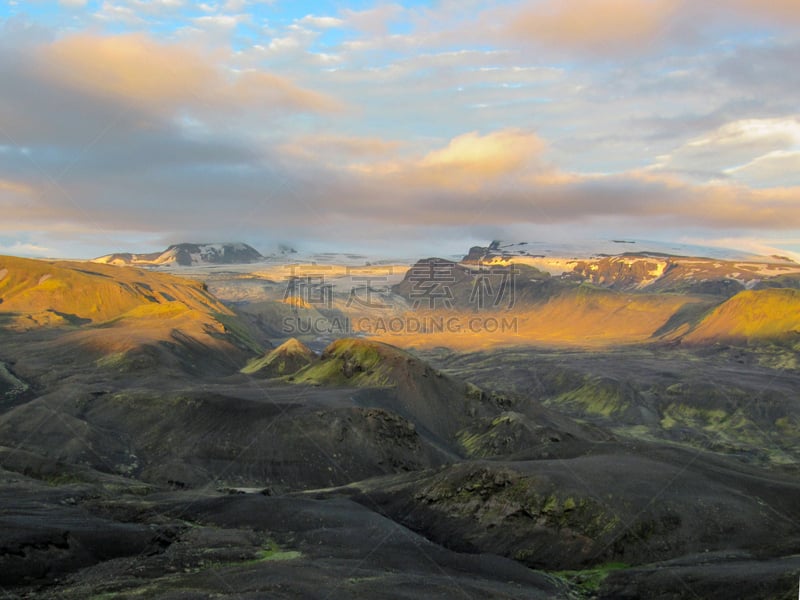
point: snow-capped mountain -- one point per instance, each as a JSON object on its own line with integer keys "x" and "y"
{"x": 588, "y": 249}
{"x": 650, "y": 266}
{"x": 187, "y": 255}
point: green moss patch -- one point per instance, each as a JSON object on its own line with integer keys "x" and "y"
{"x": 588, "y": 581}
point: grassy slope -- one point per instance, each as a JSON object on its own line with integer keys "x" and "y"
{"x": 109, "y": 311}
{"x": 93, "y": 292}
{"x": 750, "y": 316}
{"x": 355, "y": 363}
{"x": 288, "y": 358}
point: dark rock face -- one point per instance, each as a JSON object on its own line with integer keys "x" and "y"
{"x": 618, "y": 272}
{"x": 476, "y": 254}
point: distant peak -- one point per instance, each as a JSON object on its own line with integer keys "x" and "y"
{"x": 189, "y": 254}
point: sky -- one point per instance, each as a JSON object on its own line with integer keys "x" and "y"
{"x": 397, "y": 127}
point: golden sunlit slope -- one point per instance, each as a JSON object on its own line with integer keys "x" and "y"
{"x": 109, "y": 312}
{"x": 751, "y": 315}
{"x": 89, "y": 292}
{"x": 601, "y": 317}
{"x": 584, "y": 317}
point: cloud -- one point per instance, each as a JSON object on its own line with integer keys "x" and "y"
{"x": 784, "y": 12}
{"x": 26, "y": 249}
{"x": 134, "y": 12}
{"x": 491, "y": 155}
{"x": 258, "y": 88}
{"x": 340, "y": 149}
{"x": 221, "y": 21}
{"x": 128, "y": 67}
{"x": 135, "y": 69}
{"x": 14, "y": 189}
{"x": 26, "y": 203}
{"x": 153, "y": 6}
{"x": 119, "y": 13}
{"x": 758, "y": 246}
{"x": 777, "y": 168}
{"x": 626, "y": 28}
{"x": 638, "y": 116}
{"x": 468, "y": 162}
{"x": 765, "y": 71}
{"x": 374, "y": 21}
{"x": 737, "y": 149}
{"x": 605, "y": 26}
{"x": 170, "y": 182}
{"x": 502, "y": 178}
{"x": 104, "y": 133}
{"x": 321, "y": 22}
{"x": 237, "y": 5}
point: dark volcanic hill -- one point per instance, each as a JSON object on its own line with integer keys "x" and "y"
{"x": 437, "y": 283}
{"x": 565, "y": 514}
{"x": 397, "y": 381}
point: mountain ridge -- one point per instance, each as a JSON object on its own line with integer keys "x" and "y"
{"x": 188, "y": 254}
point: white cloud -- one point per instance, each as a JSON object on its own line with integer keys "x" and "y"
{"x": 284, "y": 44}
{"x": 777, "y": 168}
{"x": 222, "y": 21}
{"x": 238, "y": 5}
{"x": 736, "y": 148}
{"x": 27, "y": 249}
{"x": 321, "y": 22}
{"x": 118, "y": 13}
{"x": 155, "y": 6}
{"x": 758, "y": 246}
{"x": 374, "y": 21}
{"x": 468, "y": 162}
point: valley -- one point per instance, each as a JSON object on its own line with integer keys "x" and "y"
{"x": 480, "y": 427}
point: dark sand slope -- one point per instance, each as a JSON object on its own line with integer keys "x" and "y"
{"x": 108, "y": 541}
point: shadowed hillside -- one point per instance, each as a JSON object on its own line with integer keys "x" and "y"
{"x": 398, "y": 381}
